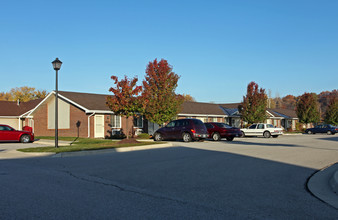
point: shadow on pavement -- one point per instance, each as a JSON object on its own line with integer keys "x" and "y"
{"x": 259, "y": 144}
{"x": 176, "y": 182}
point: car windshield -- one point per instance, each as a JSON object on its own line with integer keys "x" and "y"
{"x": 171, "y": 124}
{"x": 223, "y": 125}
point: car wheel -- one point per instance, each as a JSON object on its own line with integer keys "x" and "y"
{"x": 216, "y": 136}
{"x": 186, "y": 137}
{"x": 275, "y": 136}
{"x": 266, "y": 134}
{"x": 309, "y": 132}
{"x": 329, "y": 132}
{"x": 158, "y": 137}
{"x": 24, "y": 138}
{"x": 230, "y": 138}
{"x": 242, "y": 134}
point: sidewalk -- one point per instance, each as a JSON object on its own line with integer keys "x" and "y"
{"x": 324, "y": 185}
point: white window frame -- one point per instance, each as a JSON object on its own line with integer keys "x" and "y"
{"x": 117, "y": 123}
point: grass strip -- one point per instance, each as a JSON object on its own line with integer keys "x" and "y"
{"x": 86, "y": 144}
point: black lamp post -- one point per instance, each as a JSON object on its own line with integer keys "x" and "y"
{"x": 56, "y": 65}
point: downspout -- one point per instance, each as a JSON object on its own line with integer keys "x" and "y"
{"x": 89, "y": 124}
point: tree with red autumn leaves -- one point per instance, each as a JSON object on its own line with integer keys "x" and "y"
{"x": 254, "y": 104}
{"x": 307, "y": 108}
{"x": 126, "y": 100}
{"x": 289, "y": 102}
{"x": 162, "y": 104}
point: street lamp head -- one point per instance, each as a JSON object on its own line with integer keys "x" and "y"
{"x": 56, "y": 64}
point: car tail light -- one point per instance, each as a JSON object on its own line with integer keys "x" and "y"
{"x": 193, "y": 131}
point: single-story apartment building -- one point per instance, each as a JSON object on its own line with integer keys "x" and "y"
{"x": 87, "y": 115}
{"x": 14, "y": 113}
{"x": 79, "y": 115}
{"x": 229, "y": 113}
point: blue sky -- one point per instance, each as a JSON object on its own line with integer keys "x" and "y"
{"x": 217, "y": 47}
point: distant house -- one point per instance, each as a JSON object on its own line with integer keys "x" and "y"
{"x": 15, "y": 113}
{"x": 210, "y": 112}
{"x": 229, "y": 113}
{"x": 285, "y": 118}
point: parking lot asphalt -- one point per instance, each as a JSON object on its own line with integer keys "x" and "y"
{"x": 315, "y": 154}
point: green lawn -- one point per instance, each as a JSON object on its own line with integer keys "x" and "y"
{"x": 83, "y": 144}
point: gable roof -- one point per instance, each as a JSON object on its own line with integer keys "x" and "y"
{"x": 12, "y": 108}
{"x": 286, "y": 113}
{"x": 89, "y": 101}
{"x": 200, "y": 108}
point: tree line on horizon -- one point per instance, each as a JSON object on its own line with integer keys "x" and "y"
{"x": 23, "y": 94}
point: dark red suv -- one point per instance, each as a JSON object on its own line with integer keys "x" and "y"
{"x": 186, "y": 129}
{"x": 222, "y": 130}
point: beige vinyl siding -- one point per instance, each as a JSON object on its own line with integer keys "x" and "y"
{"x": 13, "y": 122}
{"x": 63, "y": 114}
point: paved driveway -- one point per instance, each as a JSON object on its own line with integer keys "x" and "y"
{"x": 249, "y": 178}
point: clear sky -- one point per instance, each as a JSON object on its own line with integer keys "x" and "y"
{"x": 217, "y": 47}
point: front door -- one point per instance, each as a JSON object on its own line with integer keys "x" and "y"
{"x": 99, "y": 126}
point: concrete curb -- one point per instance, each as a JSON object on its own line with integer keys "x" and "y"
{"x": 324, "y": 185}
{"x": 113, "y": 150}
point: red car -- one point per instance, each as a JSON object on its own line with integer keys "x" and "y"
{"x": 221, "y": 130}
{"x": 7, "y": 133}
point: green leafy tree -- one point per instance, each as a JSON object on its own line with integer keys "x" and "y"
{"x": 307, "y": 108}
{"x": 126, "y": 100}
{"x": 162, "y": 104}
{"x": 254, "y": 105}
{"x": 331, "y": 115}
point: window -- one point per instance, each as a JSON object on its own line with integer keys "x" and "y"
{"x": 171, "y": 124}
{"x": 209, "y": 125}
{"x": 138, "y": 121}
{"x": 197, "y": 122}
{"x": 223, "y": 125}
{"x": 253, "y": 126}
{"x": 115, "y": 121}
{"x": 260, "y": 126}
{"x": 5, "y": 128}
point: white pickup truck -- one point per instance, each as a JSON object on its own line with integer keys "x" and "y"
{"x": 260, "y": 129}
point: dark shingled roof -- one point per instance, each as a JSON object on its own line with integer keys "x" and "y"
{"x": 11, "y": 108}
{"x": 230, "y": 105}
{"x": 279, "y": 112}
{"x": 87, "y": 100}
{"x": 201, "y": 108}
